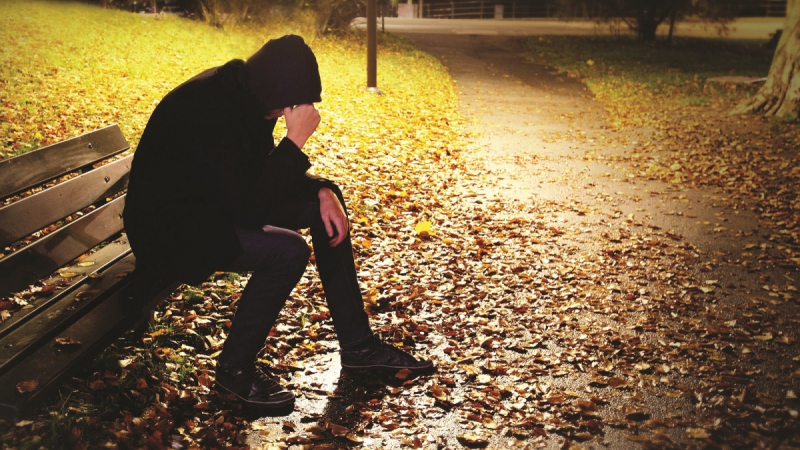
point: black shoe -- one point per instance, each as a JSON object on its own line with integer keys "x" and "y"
{"x": 379, "y": 356}
{"x": 254, "y": 388}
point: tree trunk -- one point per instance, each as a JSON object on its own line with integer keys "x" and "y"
{"x": 647, "y": 30}
{"x": 672, "y": 16}
{"x": 780, "y": 95}
{"x": 324, "y": 10}
{"x": 647, "y": 22}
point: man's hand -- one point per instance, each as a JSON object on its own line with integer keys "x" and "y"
{"x": 333, "y": 216}
{"x": 301, "y": 122}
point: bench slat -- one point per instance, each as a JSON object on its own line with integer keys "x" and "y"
{"x": 96, "y": 330}
{"x": 102, "y": 299}
{"x": 34, "y": 168}
{"x": 49, "y": 253}
{"x": 33, "y": 213}
{"x": 103, "y": 259}
{"x": 41, "y": 328}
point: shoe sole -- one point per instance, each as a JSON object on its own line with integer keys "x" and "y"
{"x": 260, "y": 405}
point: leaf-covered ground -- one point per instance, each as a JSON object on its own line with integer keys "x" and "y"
{"x": 693, "y": 309}
{"x": 68, "y": 68}
{"x": 557, "y": 322}
{"x": 692, "y": 140}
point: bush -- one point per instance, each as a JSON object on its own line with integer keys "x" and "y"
{"x": 320, "y": 16}
{"x": 335, "y": 16}
{"x": 219, "y": 13}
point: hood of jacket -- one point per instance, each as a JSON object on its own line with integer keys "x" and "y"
{"x": 283, "y": 73}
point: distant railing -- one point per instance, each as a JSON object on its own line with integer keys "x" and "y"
{"x": 484, "y": 9}
{"x": 764, "y": 8}
{"x": 517, "y": 9}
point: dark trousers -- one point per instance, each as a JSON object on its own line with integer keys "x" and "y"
{"x": 277, "y": 258}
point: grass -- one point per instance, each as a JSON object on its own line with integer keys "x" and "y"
{"x": 69, "y": 68}
{"x": 629, "y": 75}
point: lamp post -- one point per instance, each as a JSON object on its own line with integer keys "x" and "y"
{"x": 372, "y": 46}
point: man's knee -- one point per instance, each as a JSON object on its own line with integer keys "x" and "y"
{"x": 296, "y": 252}
{"x": 279, "y": 250}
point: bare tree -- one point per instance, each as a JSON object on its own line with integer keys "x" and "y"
{"x": 220, "y": 13}
{"x": 335, "y": 15}
{"x": 780, "y": 95}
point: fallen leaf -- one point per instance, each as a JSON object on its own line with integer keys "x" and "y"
{"x": 87, "y": 294}
{"x": 27, "y": 386}
{"x": 697, "y": 433}
{"x": 67, "y": 342}
{"x": 424, "y": 228}
{"x": 45, "y": 291}
{"x": 338, "y": 430}
{"x": 471, "y": 439}
{"x": 402, "y": 374}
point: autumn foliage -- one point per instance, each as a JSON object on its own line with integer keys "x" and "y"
{"x": 545, "y": 334}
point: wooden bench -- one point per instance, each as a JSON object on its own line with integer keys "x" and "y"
{"x": 85, "y": 292}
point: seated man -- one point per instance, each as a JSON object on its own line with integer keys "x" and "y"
{"x": 210, "y": 191}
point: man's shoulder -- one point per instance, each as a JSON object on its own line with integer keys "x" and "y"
{"x": 197, "y": 90}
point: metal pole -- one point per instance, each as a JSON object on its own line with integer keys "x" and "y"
{"x": 372, "y": 46}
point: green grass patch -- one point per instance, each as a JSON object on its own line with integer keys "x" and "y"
{"x": 629, "y": 75}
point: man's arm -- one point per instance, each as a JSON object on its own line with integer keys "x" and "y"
{"x": 301, "y": 122}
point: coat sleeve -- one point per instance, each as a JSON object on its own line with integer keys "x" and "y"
{"x": 253, "y": 186}
{"x": 289, "y": 162}
{"x": 309, "y": 186}
{"x": 284, "y": 165}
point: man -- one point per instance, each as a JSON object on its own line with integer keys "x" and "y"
{"x": 210, "y": 191}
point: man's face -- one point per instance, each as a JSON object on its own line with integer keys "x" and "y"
{"x": 274, "y": 114}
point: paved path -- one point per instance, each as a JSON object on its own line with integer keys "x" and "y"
{"x": 747, "y": 28}
{"x": 534, "y": 128}
{"x": 534, "y": 131}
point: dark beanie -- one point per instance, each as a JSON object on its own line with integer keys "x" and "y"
{"x": 283, "y": 73}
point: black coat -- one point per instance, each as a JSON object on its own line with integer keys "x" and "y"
{"x": 207, "y": 163}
